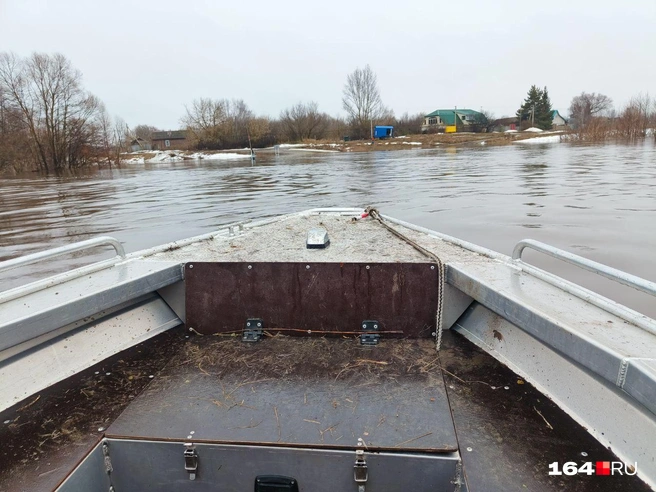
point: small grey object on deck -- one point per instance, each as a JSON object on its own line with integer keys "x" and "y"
{"x": 317, "y": 238}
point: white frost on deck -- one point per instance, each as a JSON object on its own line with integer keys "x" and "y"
{"x": 360, "y": 241}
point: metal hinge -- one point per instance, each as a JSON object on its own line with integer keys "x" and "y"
{"x": 369, "y": 337}
{"x": 253, "y": 330}
{"x": 360, "y": 471}
{"x": 191, "y": 460}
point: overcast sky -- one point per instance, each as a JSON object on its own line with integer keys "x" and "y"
{"x": 147, "y": 59}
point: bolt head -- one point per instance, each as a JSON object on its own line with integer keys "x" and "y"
{"x": 191, "y": 266}
{"x": 250, "y": 267}
{"x": 432, "y": 267}
{"x": 307, "y": 267}
{"x": 259, "y": 325}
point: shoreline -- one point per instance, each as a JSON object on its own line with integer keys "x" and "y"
{"x": 404, "y": 142}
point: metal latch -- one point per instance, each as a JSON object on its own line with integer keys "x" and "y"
{"x": 369, "y": 335}
{"x": 191, "y": 461}
{"x": 360, "y": 472}
{"x": 253, "y": 330}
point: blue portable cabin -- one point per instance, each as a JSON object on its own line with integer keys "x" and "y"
{"x": 383, "y": 131}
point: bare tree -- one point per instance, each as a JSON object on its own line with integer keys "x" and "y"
{"x": 13, "y": 137}
{"x": 145, "y": 132}
{"x": 636, "y": 117}
{"x": 57, "y": 112}
{"x": 361, "y": 99}
{"x": 588, "y": 105}
{"x": 204, "y": 120}
{"x": 408, "y": 124}
{"x": 490, "y": 119}
{"x": 303, "y": 121}
{"x": 218, "y": 123}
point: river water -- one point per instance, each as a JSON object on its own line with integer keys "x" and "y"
{"x": 596, "y": 201}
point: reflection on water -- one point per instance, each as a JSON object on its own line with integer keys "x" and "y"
{"x": 596, "y": 201}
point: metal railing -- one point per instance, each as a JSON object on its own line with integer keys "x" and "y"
{"x": 63, "y": 250}
{"x": 592, "y": 266}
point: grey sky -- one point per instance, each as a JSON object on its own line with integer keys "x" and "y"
{"x": 147, "y": 59}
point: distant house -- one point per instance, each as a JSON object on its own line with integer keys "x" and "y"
{"x": 449, "y": 120}
{"x": 139, "y": 144}
{"x": 169, "y": 140}
{"x": 505, "y": 124}
{"x": 557, "y": 121}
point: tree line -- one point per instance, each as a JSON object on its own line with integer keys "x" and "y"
{"x": 592, "y": 116}
{"x": 223, "y": 123}
{"x": 49, "y": 122}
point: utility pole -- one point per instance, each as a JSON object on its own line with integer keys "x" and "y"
{"x": 533, "y": 116}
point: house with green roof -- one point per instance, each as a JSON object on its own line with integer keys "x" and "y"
{"x": 465, "y": 120}
{"x": 557, "y": 121}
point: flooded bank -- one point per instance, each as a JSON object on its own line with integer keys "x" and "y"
{"x": 596, "y": 201}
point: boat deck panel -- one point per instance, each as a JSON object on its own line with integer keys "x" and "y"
{"x": 76, "y": 350}
{"x": 40, "y": 312}
{"x": 307, "y": 392}
{"x": 318, "y": 297}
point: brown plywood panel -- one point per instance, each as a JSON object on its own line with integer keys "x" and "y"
{"x": 322, "y": 297}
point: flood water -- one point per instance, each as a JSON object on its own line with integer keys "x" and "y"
{"x": 596, "y": 201}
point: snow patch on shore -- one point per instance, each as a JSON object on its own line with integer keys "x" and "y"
{"x": 316, "y": 150}
{"x": 540, "y": 140}
{"x": 219, "y": 156}
{"x": 534, "y": 130}
{"x": 166, "y": 157}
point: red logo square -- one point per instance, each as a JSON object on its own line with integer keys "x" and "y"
{"x": 602, "y": 468}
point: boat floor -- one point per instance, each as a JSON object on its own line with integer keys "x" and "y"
{"x": 299, "y": 392}
{"x": 507, "y": 432}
